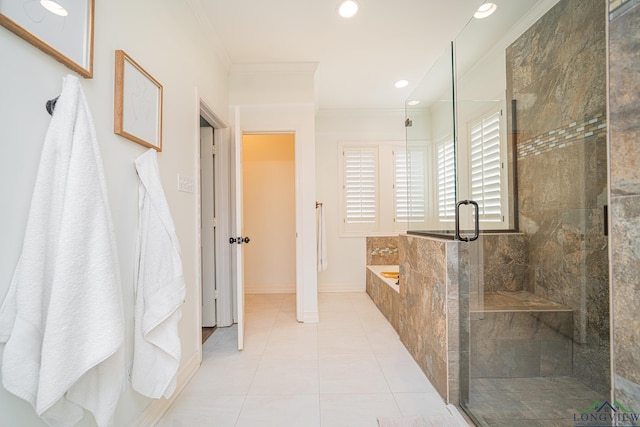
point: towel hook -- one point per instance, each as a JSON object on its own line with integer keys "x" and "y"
{"x": 51, "y": 105}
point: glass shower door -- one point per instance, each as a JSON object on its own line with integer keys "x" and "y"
{"x": 431, "y": 152}
{"x": 531, "y": 152}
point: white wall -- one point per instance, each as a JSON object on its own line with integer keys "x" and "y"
{"x": 269, "y": 172}
{"x": 346, "y": 255}
{"x": 165, "y": 39}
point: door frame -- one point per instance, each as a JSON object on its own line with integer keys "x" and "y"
{"x": 221, "y": 137}
{"x": 208, "y": 225}
{"x": 266, "y": 119}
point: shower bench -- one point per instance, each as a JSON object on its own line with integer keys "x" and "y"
{"x": 519, "y": 334}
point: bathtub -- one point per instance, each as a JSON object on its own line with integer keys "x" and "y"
{"x": 384, "y": 292}
{"x": 378, "y": 269}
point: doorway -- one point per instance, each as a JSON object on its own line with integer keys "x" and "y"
{"x": 216, "y": 291}
{"x": 209, "y": 227}
{"x": 269, "y": 213}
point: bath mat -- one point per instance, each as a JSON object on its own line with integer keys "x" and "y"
{"x": 423, "y": 421}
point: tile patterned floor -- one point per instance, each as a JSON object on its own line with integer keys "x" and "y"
{"x": 346, "y": 370}
{"x": 530, "y": 402}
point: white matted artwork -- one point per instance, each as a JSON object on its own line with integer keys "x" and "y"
{"x": 62, "y": 28}
{"x": 137, "y": 103}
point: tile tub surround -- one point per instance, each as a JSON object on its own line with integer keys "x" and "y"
{"x": 624, "y": 139}
{"x": 428, "y": 323}
{"x": 384, "y": 293}
{"x": 382, "y": 250}
{"x": 378, "y": 270}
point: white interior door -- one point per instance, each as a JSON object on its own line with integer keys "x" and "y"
{"x": 236, "y": 239}
{"x": 208, "y": 218}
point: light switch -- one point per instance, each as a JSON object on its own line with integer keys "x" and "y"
{"x": 185, "y": 183}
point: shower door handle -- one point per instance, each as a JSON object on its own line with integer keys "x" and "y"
{"x": 476, "y": 231}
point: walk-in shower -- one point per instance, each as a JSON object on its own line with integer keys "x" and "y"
{"x": 506, "y": 152}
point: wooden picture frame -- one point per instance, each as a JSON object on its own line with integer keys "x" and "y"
{"x": 137, "y": 103}
{"x": 67, "y": 38}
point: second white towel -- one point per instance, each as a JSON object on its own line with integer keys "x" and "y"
{"x": 160, "y": 289}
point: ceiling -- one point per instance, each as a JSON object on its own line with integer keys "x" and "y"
{"x": 359, "y": 58}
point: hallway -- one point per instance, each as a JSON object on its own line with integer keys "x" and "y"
{"x": 348, "y": 370}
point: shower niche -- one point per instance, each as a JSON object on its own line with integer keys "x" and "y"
{"x": 506, "y": 153}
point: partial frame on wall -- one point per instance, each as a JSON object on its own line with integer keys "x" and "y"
{"x": 137, "y": 103}
{"x": 64, "y": 33}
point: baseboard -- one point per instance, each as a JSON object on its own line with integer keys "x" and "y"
{"x": 311, "y": 317}
{"x": 342, "y": 287}
{"x": 291, "y": 289}
{"x": 269, "y": 289}
{"x": 156, "y": 409}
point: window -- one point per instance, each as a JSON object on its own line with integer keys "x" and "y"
{"x": 360, "y": 188}
{"x": 446, "y": 180}
{"x": 409, "y": 194}
{"x": 486, "y": 167}
{"x": 375, "y": 188}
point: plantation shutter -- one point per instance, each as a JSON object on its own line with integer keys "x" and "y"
{"x": 409, "y": 186}
{"x": 446, "y": 181}
{"x": 486, "y": 167}
{"x": 360, "y": 185}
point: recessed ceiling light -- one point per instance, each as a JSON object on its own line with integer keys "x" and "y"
{"x": 401, "y": 83}
{"x": 413, "y": 102}
{"x": 347, "y": 8}
{"x": 485, "y": 10}
{"x": 54, "y": 7}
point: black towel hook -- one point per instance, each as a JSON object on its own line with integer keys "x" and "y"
{"x": 51, "y": 104}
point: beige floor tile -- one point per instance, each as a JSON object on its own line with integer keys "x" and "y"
{"x": 345, "y": 371}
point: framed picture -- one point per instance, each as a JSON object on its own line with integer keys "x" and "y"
{"x": 61, "y": 28}
{"x": 137, "y": 103}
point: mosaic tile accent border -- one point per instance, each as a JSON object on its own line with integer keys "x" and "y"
{"x": 614, "y": 4}
{"x": 567, "y": 136}
{"x": 617, "y": 6}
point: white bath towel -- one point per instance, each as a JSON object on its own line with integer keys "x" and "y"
{"x": 323, "y": 263}
{"x": 62, "y": 320}
{"x": 160, "y": 288}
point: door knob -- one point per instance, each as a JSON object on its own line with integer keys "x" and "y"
{"x": 239, "y": 240}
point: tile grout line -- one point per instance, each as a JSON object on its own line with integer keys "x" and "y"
{"x": 260, "y": 358}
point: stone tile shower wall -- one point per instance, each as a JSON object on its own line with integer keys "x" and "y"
{"x": 624, "y": 113}
{"x": 498, "y": 262}
{"x": 556, "y": 75}
{"x": 512, "y": 334}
